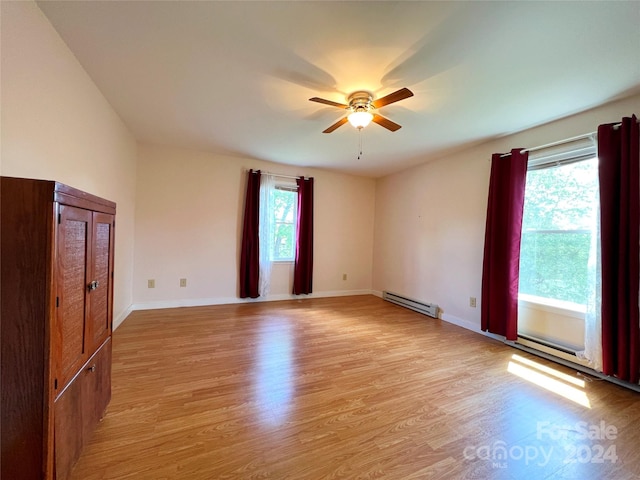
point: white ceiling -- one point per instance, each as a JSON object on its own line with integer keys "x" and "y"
{"x": 235, "y": 77}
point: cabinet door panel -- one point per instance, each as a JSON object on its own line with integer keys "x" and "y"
{"x": 68, "y": 428}
{"x": 102, "y": 265}
{"x": 79, "y": 409}
{"x": 96, "y": 389}
{"x": 73, "y": 250}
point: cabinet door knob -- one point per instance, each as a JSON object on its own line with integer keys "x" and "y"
{"x": 93, "y": 285}
{"x": 92, "y": 368}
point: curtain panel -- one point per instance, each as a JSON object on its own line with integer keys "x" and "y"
{"x": 619, "y": 159}
{"x": 250, "y": 245}
{"x": 266, "y": 232}
{"x": 501, "y": 265}
{"x": 303, "y": 267}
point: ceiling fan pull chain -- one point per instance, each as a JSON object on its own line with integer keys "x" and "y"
{"x": 360, "y": 143}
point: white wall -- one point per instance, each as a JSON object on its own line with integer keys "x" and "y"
{"x": 56, "y": 125}
{"x": 189, "y": 210}
{"x": 430, "y": 220}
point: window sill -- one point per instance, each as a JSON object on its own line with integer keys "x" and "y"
{"x": 554, "y": 306}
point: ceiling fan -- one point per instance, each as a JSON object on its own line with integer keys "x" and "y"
{"x": 361, "y": 104}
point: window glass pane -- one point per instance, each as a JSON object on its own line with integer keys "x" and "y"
{"x": 285, "y": 206}
{"x": 559, "y": 214}
{"x": 284, "y": 241}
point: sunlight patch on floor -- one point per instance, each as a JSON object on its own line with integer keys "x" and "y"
{"x": 549, "y": 371}
{"x": 564, "y": 385}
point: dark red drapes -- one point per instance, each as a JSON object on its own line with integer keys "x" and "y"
{"x": 619, "y": 216}
{"x": 249, "y": 249}
{"x": 501, "y": 266}
{"x": 303, "y": 268}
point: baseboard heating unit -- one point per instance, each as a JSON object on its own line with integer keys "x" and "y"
{"x": 430, "y": 309}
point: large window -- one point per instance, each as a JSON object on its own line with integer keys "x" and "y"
{"x": 285, "y": 206}
{"x": 560, "y": 213}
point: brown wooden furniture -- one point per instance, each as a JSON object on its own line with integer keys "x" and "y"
{"x": 56, "y": 301}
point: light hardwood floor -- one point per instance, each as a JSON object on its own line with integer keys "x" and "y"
{"x": 350, "y": 387}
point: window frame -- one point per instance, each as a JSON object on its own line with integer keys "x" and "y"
{"x": 293, "y": 188}
{"x": 582, "y": 150}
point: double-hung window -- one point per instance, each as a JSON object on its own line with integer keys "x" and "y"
{"x": 558, "y": 242}
{"x": 285, "y": 212}
{"x": 276, "y": 227}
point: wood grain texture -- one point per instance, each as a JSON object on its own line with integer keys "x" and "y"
{"x": 100, "y": 298}
{"x": 36, "y": 251}
{"x": 80, "y": 407}
{"x": 72, "y": 196}
{"x": 350, "y": 387}
{"x": 73, "y": 252}
{"x": 26, "y": 217}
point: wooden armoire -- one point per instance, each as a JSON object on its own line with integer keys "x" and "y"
{"x": 56, "y": 297}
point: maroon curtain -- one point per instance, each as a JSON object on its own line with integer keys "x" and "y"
{"x": 619, "y": 211}
{"x": 303, "y": 267}
{"x": 249, "y": 253}
{"x": 501, "y": 266}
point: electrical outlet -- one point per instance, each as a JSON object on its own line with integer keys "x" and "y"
{"x": 183, "y": 282}
{"x": 344, "y": 276}
{"x": 472, "y": 302}
{"x": 151, "y": 283}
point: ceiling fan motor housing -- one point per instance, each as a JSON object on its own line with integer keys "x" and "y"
{"x": 360, "y": 101}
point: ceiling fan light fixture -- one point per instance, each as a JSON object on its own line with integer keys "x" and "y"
{"x": 360, "y": 119}
{"x": 361, "y": 103}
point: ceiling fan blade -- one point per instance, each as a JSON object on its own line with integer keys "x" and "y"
{"x": 339, "y": 123}
{"x": 392, "y": 97}
{"x": 385, "y": 122}
{"x": 328, "y": 102}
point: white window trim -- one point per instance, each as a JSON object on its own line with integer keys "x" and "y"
{"x": 575, "y": 151}
{"x": 551, "y": 305}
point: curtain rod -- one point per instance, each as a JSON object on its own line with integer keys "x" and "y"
{"x": 554, "y": 144}
{"x": 561, "y": 142}
{"x": 279, "y": 175}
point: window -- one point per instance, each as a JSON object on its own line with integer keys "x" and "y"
{"x": 285, "y": 212}
{"x": 560, "y": 215}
